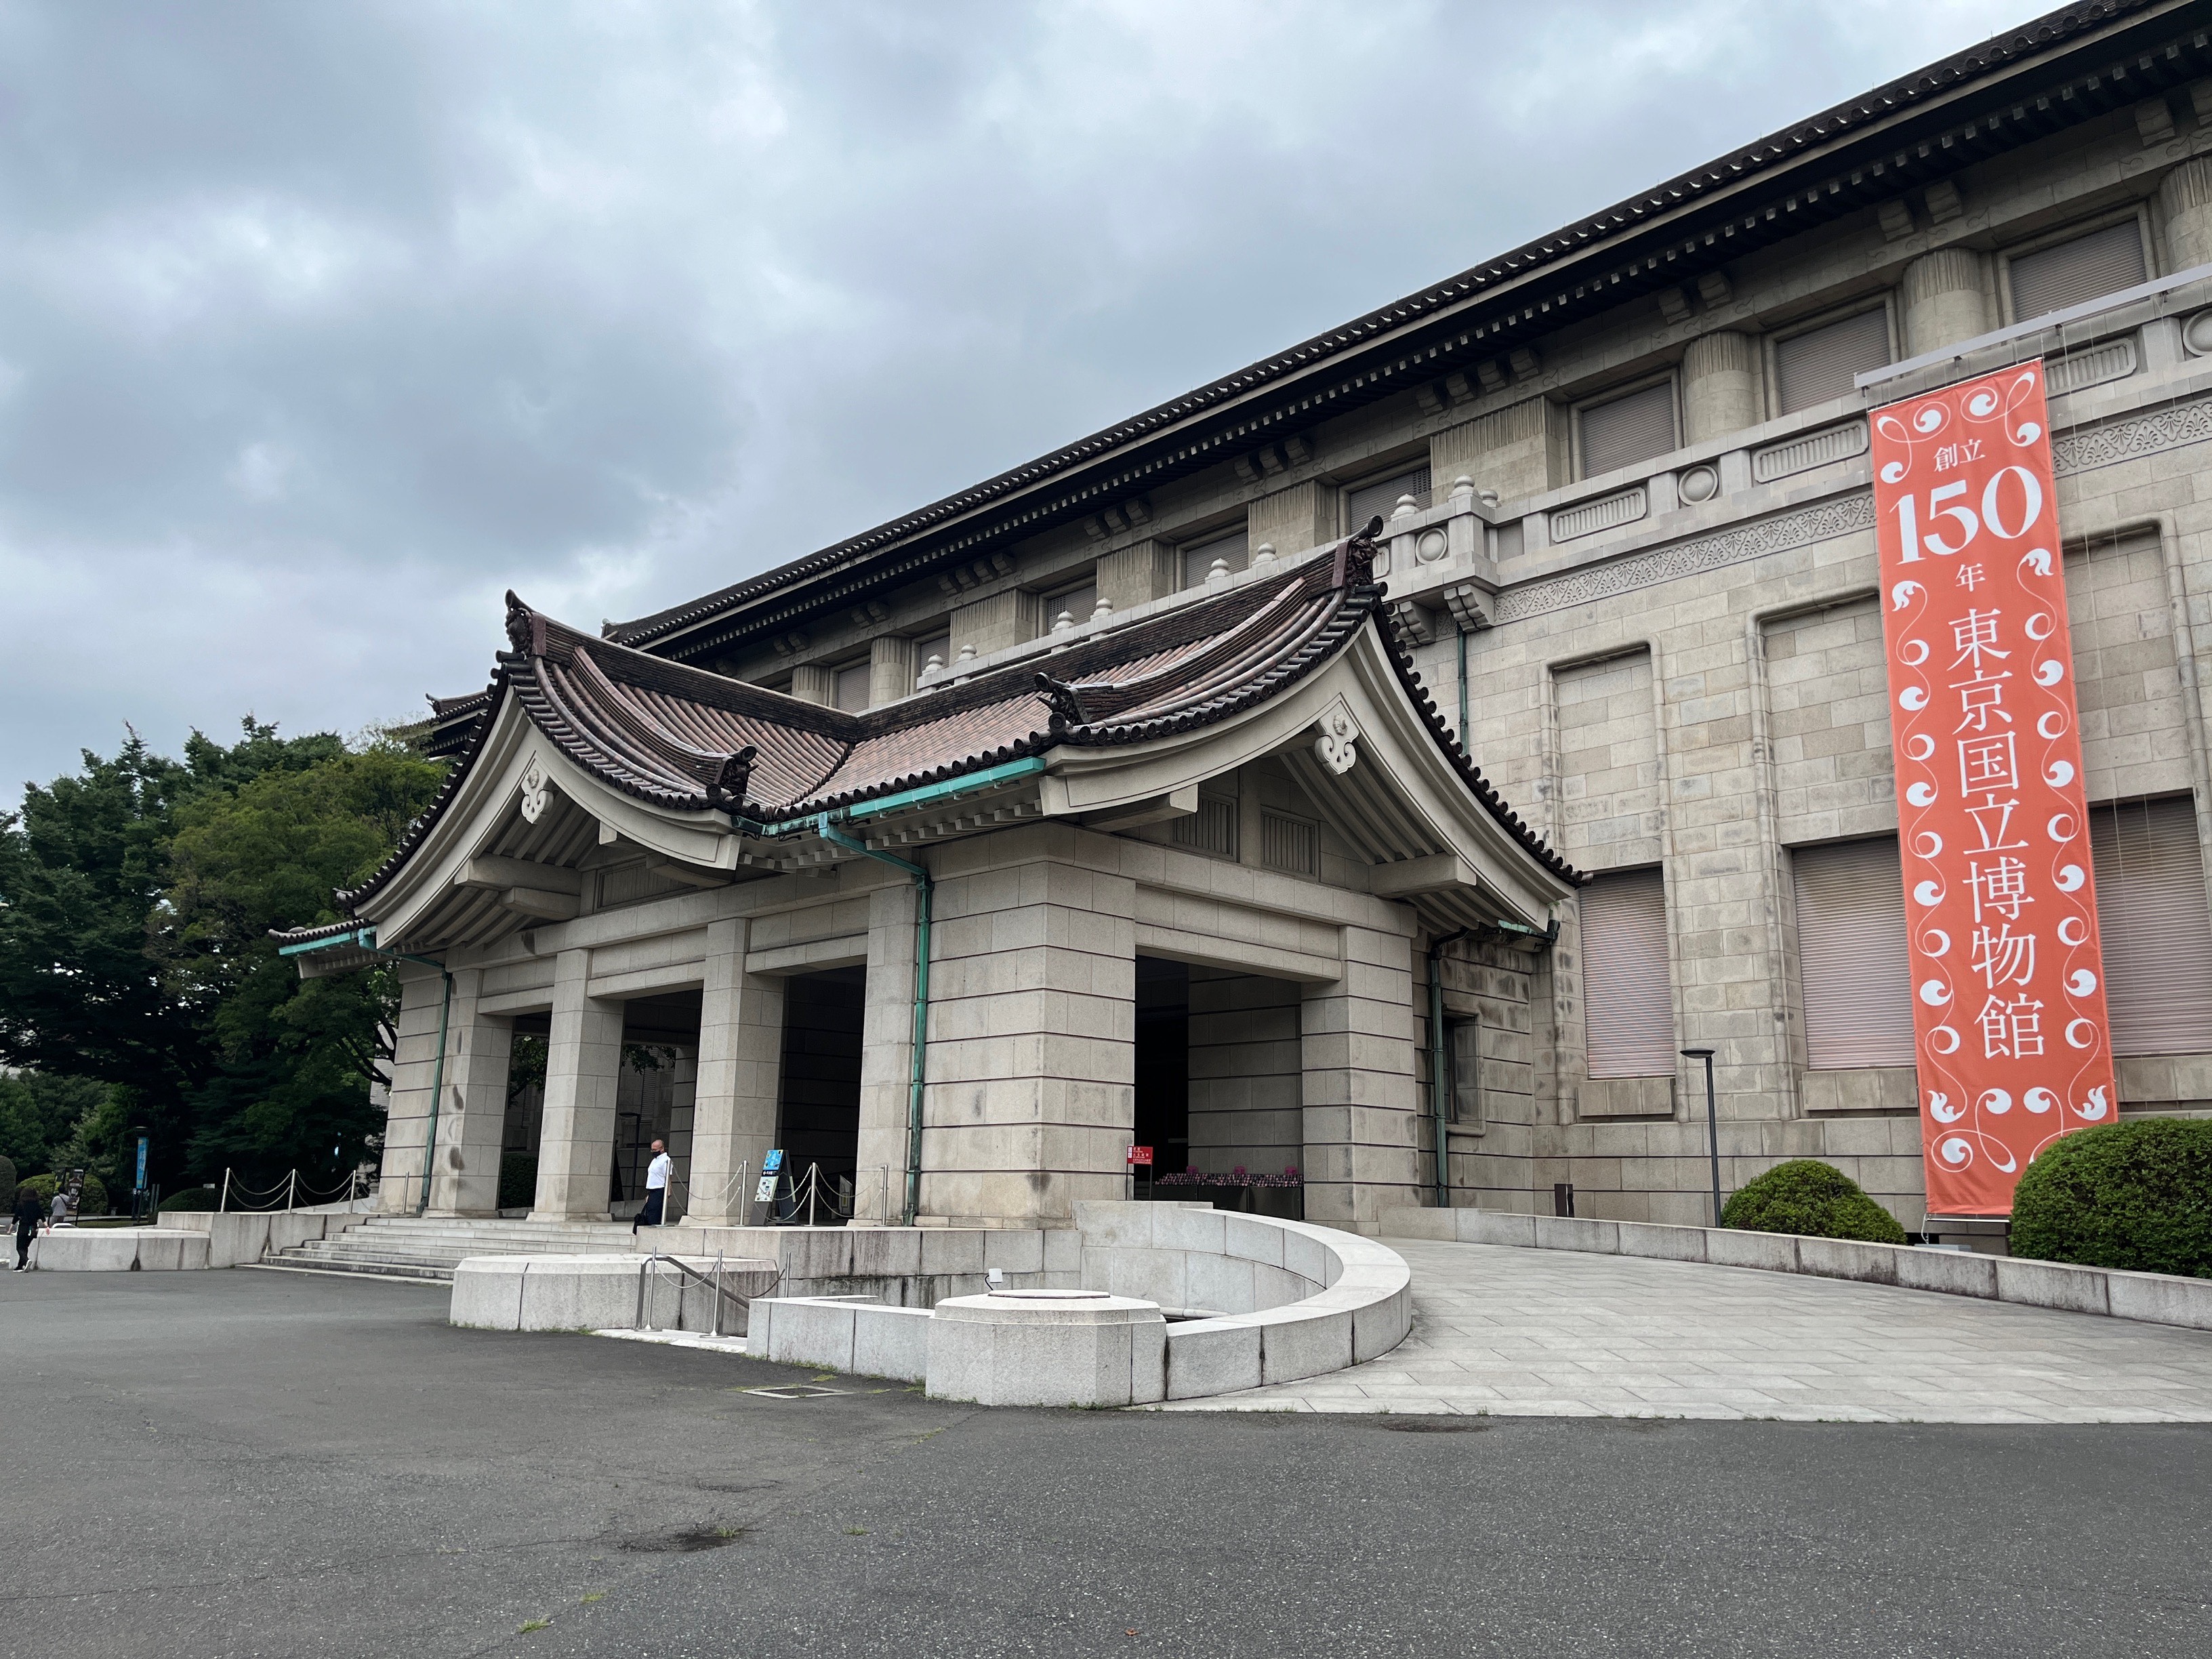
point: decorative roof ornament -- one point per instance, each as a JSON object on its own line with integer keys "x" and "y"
{"x": 522, "y": 630}
{"x": 1060, "y": 697}
{"x": 1337, "y": 746}
{"x": 726, "y": 791}
{"x": 537, "y": 787}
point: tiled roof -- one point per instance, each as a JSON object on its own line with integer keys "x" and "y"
{"x": 687, "y": 740}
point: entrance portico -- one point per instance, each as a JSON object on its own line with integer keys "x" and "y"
{"x": 1251, "y": 787}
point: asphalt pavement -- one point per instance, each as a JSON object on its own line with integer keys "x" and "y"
{"x": 248, "y": 1463}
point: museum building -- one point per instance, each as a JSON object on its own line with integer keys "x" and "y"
{"x": 1359, "y": 780}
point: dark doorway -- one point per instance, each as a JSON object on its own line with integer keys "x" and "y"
{"x": 1163, "y": 1065}
{"x": 818, "y": 1101}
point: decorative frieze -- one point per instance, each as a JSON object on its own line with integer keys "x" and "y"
{"x": 2088, "y": 448}
{"x": 2115, "y": 360}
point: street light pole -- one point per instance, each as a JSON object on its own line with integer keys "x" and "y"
{"x": 1712, "y": 1125}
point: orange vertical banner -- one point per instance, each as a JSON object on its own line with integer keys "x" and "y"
{"x": 2011, "y": 1039}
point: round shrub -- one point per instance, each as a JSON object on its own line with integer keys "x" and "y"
{"x": 2136, "y": 1195}
{"x": 1812, "y": 1198}
{"x": 91, "y": 1201}
{"x": 192, "y": 1198}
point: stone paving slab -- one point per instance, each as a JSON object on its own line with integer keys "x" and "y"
{"x": 1519, "y": 1333}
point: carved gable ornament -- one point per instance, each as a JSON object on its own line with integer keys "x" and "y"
{"x": 1336, "y": 748}
{"x": 535, "y": 788}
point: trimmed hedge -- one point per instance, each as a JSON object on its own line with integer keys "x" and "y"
{"x": 192, "y": 1198}
{"x": 2135, "y": 1195}
{"x": 91, "y": 1201}
{"x": 1814, "y": 1200}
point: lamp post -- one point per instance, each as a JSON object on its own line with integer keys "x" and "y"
{"x": 1712, "y": 1125}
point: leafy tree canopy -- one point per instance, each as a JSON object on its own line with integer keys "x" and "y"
{"x": 135, "y": 899}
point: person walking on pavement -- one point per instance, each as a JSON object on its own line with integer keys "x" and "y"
{"x": 28, "y": 1214}
{"x": 656, "y": 1187}
{"x": 61, "y": 1217}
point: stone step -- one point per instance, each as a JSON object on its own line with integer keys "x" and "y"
{"x": 290, "y": 1261}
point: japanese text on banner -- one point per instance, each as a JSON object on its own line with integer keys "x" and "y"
{"x": 2011, "y": 1042}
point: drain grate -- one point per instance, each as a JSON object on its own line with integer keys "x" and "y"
{"x": 794, "y": 1391}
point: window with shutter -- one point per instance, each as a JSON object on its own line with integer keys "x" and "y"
{"x": 1076, "y": 604}
{"x": 1628, "y": 1006}
{"x": 2157, "y": 934}
{"x": 938, "y": 648}
{"x": 1379, "y": 500}
{"x": 1198, "y": 558}
{"x": 1465, "y": 1037}
{"x": 1628, "y": 429}
{"x": 2087, "y": 268}
{"x": 1818, "y": 365}
{"x": 851, "y": 685}
{"x": 1853, "y": 972}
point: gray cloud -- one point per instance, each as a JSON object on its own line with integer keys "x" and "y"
{"x": 319, "y": 326}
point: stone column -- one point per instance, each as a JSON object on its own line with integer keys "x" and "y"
{"x": 1362, "y": 1133}
{"x": 1720, "y": 385}
{"x": 2186, "y": 195}
{"x": 1945, "y": 299}
{"x": 1291, "y": 520}
{"x": 414, "y": 1063}
{"x": 891, "y": 669}
{"x": 464, "y": 1180}
{"x": 740, "y": 1056}
{"x": 813, "y": 683}
{"x": 583, "y": 1068}
{"x": 682, "y": 1097}
{"x": 1508, "y": 450}
{"x": 887, "y": 1056}
{"x": 1140, "y": 573}
{"x": 1008, "y": 617}
{"x": 1032, "y": 1033}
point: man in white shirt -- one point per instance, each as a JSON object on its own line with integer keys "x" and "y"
{"x": 656, "y": 1187}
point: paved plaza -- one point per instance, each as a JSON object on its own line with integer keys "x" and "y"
{"x": 1559, "y": 1333}
{"x": 247, "y": 1464}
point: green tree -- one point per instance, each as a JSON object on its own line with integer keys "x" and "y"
{"x": 40, "y": 1116}
{"x": 135, "y": 899}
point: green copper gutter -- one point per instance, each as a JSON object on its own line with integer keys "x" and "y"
{"x": 364, "y": 939}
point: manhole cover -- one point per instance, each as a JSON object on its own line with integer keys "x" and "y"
{"x": 794, "y": 1391}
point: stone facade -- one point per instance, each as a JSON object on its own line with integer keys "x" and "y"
{"x": 1674, "y": 666}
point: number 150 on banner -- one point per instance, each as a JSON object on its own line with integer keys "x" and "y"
{"x": 2011, "y": 1042}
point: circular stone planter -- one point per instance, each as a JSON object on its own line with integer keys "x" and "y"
{"x": 1047, "y": 1347}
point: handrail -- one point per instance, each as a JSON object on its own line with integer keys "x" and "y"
{"x": 685, "y": 1270}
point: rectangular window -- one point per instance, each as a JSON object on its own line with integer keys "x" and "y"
{"x": 1818, "y": 366}
{"x": 1465, "y": 1040}
{"x": 2070, "y": 273}
{"x": 2152, "y": 917}
{"x": 1211, "y": 828}
{"x": 852, "y": 687}
{"x": 1628, "y": 1006}
{"x": 1289, "y": 844}
{"x": 1624, "y": 431}
{"x": 938, "y": 648}
{"x": 1379, "y": 499}
{"x": 1853, "y": 972}
{"x": 1198, "y": 558}
{"x": 1073, "y": 607}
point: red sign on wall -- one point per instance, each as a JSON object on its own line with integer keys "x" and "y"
{"x": 1139, "y": 1154}
{"x": 2011, "y": 1040}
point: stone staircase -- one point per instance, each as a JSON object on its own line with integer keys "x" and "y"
{"x": 429, "y": 1248}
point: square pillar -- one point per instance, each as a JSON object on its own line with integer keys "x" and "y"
{"x": 414, "y": 1064}
{"x": 1032, "y": 1029}
{"x": 887, "y": 1056}
{"x": 682, "y": 1097}
{"x": 472, "y": 1119}
{"x": 1363, "y": 1130}
{"x": 741, "y": 1057}
{"x": 583, "y": 1065}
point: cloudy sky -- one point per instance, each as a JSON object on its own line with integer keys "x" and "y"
{"x": 321, "y": 325}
